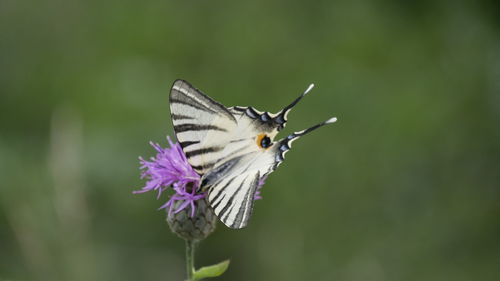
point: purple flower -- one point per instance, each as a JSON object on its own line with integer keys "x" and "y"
{"x": 170, "y": 168}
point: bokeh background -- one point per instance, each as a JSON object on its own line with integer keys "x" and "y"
{"x": 406, "y": 186}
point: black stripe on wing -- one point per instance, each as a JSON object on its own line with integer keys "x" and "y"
{"x": 214, "y": 201}
{"x": 180, "y": 117}
{"x": 191, "y": 102}
{"x": 214, "y": 206}
{"x": 205, "y": 150}
{"x": 187, "y": 143}
{"x": 197, "y": 127}
{"x": 183, "y": 92}
{"x": 205, "y": 166}
{"x": 223, "y": 215}
{"x": 246, "y": 207}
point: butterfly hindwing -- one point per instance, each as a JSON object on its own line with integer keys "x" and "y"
{"x": 232, "y": 185}
{"x": 232, "y": 198}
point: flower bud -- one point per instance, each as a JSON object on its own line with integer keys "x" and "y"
{"x": 196, "y": 227}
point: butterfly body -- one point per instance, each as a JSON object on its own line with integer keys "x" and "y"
{"x": 231, "y": 148}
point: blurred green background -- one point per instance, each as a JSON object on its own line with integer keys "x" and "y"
{"x": 406, "y": 186}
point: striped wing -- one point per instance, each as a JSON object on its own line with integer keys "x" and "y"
{"x": 203, "y": 126}
{"x": 232, "y": 198}
{"x": 210, "y": 133}
{"x": 232, "y": 186}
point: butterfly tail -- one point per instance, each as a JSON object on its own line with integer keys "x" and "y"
{"x": 284, "y": 145}
{"x": 281, "y": 117}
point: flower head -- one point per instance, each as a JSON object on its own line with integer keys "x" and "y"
{"x": 170, "y": 168}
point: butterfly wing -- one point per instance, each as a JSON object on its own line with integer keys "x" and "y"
{"x": 232, "y": 184}
{"x": 202, "y": 126}
{"x": 232, "y": 198}
{"x": 210, "y": 133}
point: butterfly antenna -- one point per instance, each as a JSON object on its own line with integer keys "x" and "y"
{"x": 281, "y": 117}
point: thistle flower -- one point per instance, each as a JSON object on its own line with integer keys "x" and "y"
{"x": 169, "y": 168}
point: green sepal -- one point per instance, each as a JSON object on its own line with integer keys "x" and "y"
{"x": 211, "y": 271}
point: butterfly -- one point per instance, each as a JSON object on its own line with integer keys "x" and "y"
{"x": 230, "y": 148}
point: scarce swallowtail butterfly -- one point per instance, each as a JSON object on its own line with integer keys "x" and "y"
{"x": 230, "y": 148}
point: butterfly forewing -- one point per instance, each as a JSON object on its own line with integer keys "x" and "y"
{"x": 208, "y": 132}
{"x": 203, "y": 126}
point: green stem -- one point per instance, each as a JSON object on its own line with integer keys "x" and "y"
{"x": 190, "y": 244}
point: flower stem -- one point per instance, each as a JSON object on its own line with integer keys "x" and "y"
{"x": 190, "y": 244}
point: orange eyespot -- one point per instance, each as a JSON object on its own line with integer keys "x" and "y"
{"x": 263, "y": 141}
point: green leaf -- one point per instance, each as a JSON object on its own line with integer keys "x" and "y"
{"x": 211, "y": 271}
